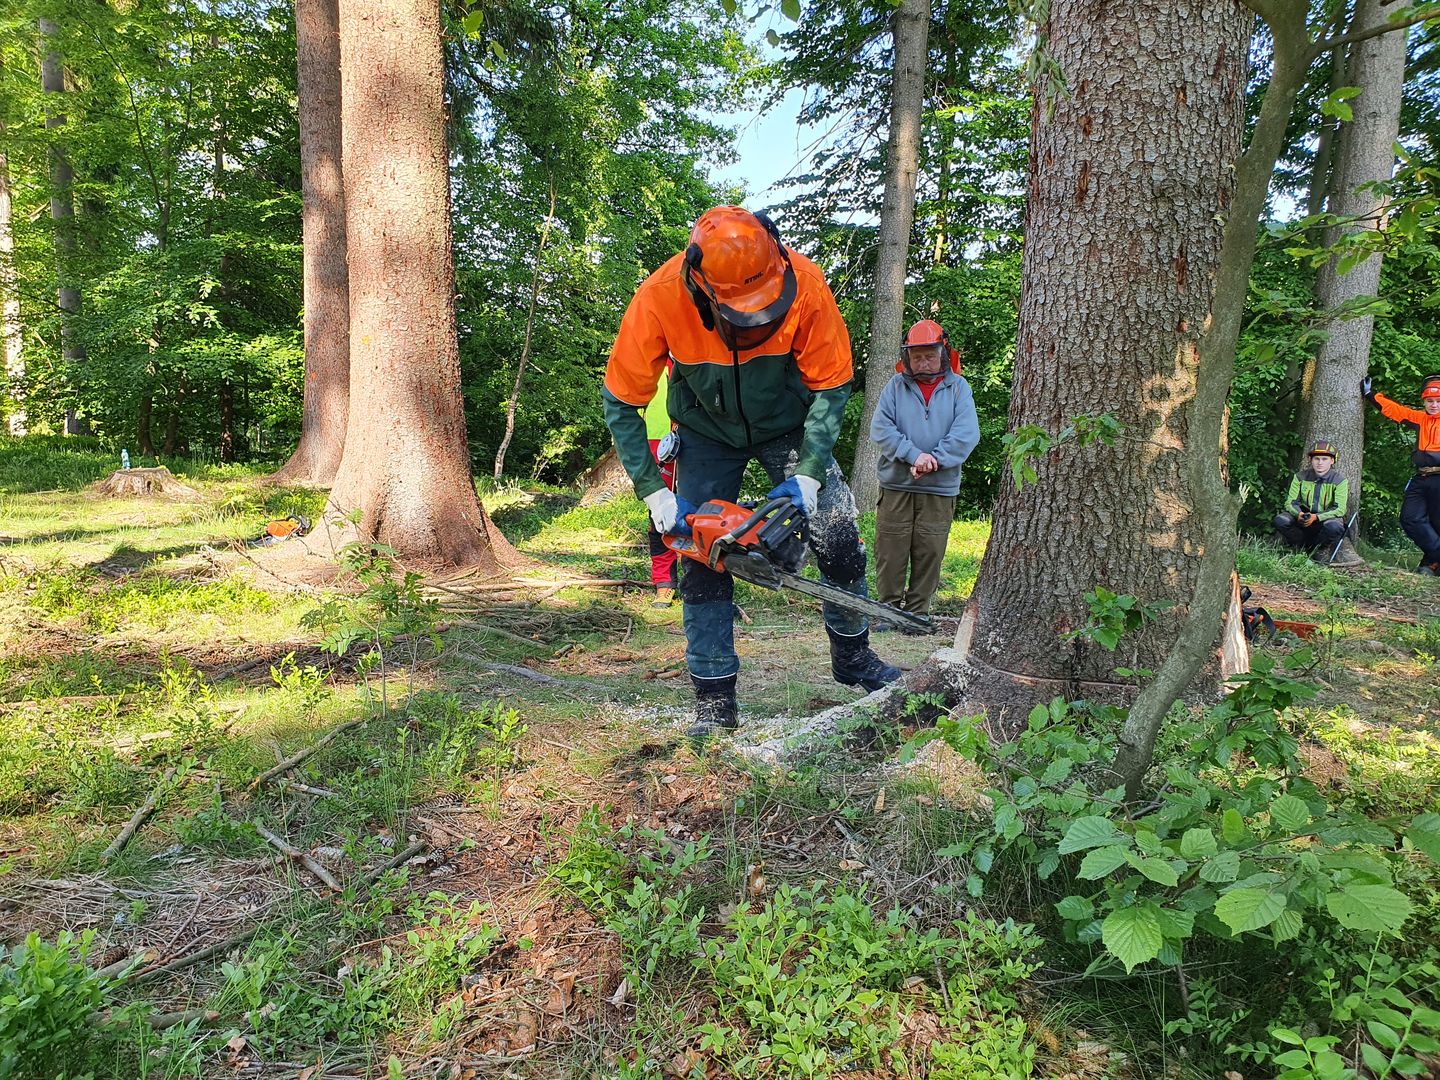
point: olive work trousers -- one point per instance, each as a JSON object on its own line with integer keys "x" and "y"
{"x": 911, "y": 530}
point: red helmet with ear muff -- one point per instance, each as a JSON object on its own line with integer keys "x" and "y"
{"x": 927, "y": 332}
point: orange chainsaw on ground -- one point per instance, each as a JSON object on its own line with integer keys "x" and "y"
{"x": 765, "y": 547}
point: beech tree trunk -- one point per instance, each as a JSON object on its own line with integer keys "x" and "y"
{"x": 9, "y": 300}
{"x": 1364, "y": 154}
{"x": 1131, "y": 174}
{"x": 62, "y": 208}
{"x": 406, "y": 465}
{"x": 327, "y": 300}
{"x": 897, "y": 215}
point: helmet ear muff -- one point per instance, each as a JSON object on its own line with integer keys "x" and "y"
{"x": 693, "y": 255}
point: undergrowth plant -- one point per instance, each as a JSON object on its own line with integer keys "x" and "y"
{"x": 389, "y": 610}
{"x": 1235, "y": 850}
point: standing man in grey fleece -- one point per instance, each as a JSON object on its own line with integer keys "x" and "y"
{"x": 925, "y": 427}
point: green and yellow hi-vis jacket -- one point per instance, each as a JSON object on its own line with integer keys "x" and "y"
{"x": 1325, "y": 497}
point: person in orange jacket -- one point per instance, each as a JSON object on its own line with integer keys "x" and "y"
{"x": 760, "y": 369}
{"x": 1420, "y": 509}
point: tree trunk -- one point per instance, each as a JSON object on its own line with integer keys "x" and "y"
{"x": 327, "y": 300}
{"x": 1364, "y": 154}
{"x": 887, "y": 312}
{"x": 1131, "y": 173}
{"x": 62, "y": 209}
{"x": 10, "y": 302}
{"x": 1321, "y": 176}
{"x": 172, "y": 431}
{"x": 514, "y": 402}
{"x": 406, "y": 465}
{"x": 227, "y": 420}
{"x": 144, "y": 445}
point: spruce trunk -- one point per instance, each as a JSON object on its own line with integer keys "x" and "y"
{"x": 326, "y": 280}
{"x": 1131, "y": 174}
{"x": 406, "y": 465}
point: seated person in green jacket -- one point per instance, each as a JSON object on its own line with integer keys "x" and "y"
{"x": 1315, "y": 507}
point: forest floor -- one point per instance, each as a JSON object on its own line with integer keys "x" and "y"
{"x": 509, "y": 861}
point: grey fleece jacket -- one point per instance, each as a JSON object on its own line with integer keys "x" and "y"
{"x": 904, "y": 427}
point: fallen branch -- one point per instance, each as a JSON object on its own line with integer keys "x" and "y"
{"x": 372, "y": 876}
{"x": 234, "y": 941}
{"x": 486, "y": 628}
{"x": 550, "y": 680}
{"x": 306, "y": 860}
{"x": 295, "y": 759}
{"x": 138, "y": 818}
{"x": 295, "y": 785}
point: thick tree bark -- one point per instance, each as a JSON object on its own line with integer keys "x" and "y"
{"x": 327, "y": 300}
{"x": 1364, "y": 154}
{"x": 10, "y": 334}
{"x": 897, "y": 214}
{"x": 62, "y": 208}
{"x": 406, "y": 466}
{"x": 1131, "y": 173}
{"x": 514, "y": 403}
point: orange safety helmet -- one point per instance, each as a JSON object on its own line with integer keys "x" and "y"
{"x": 1431, "y": 388}
{"x": 737, "y": 270}
{"x": 927, "y": 332}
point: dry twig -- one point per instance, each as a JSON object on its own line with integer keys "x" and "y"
{"x": 295, "y": 759}
{"x": 307, "y": 861}
{"x": 138, "y": 818}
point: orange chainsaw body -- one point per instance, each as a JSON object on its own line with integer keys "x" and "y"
{"x": 719, "y": 527}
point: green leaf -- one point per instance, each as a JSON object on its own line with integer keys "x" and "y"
{"x": 1249, "y": 909}
{"x": 1223, "y": 867}
{"x": 790, "y": 9}
{"x": 1287, "y": 925}
{"x": 1100, "y": 862}
{"x": 1157, "y": 870}
{"x": 1198, "y": 844}
{"x": 770, "y": 36}
{"x": 473, "y": 20}
{"x": 1132, "y": 935}
{"x": 1290, "y": 813}
{"x": 1375, "y": 1061}
{"x": 1088, "y": 832}
{"x": 1075, "y": 908}
{"x": 1424, "y": 833}
{"x": 1369, "y": 907}
{"x": 1232, "y": 826}
{"x": 1384, "y": 1035}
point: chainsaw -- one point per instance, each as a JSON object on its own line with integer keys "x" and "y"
{"x": 765, "y": 547}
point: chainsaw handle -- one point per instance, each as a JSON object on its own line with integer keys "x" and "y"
{"x": 755, "y": 519}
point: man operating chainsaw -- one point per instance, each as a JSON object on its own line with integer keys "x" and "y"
{"x": 761, "y": 371}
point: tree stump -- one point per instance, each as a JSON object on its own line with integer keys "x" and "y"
{"x": 156, "y": 483}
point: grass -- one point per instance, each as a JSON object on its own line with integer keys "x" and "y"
{"x": 579, "y": 852}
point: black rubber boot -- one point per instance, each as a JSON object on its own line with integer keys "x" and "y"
{"x": 715, "y": 707}
{"x": 854, "y": 663}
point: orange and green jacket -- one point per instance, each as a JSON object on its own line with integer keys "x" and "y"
{"x": 799, "y": 377}
{"x": 1427, "y": 430}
